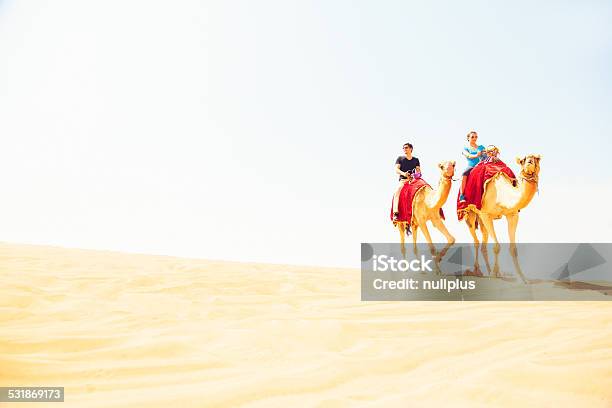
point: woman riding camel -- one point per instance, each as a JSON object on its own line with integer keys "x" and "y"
{"x": 474, "y": 153}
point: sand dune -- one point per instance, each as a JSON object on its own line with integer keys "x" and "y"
{"x": 123, "y": 330}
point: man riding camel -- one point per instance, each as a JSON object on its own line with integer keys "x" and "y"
{"x": 407, "y": 167}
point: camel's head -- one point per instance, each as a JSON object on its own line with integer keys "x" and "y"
{"x": 447, "y": 168}
{"x": 530, "y": 165}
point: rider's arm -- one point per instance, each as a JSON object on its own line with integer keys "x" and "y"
{"x": 470, "y": 155}
{"x": 399, "y": 171}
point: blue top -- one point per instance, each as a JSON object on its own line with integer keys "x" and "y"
{"x": 470, "y": 150}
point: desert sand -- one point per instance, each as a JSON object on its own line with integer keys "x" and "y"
{"x": 126, "y": 330}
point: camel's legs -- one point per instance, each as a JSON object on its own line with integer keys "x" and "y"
{"x": 432, "y": 249}
{"x": 484, "y": 246}
{"x": 512, "y": 223}
{"x": 471, "y": 223}
{"x": 437, "y": 222}
{"x": 488, "y": 225}
{"x": 401, "y": 226}
{"x": 415, "y": 228}
{"x": 423, "y": 226}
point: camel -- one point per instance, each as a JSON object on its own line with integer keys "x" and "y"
{"x": 502, "y": 197}
{"x": 426, "y": 207}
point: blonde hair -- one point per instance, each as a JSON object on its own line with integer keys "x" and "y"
{"x": 470, "y": 133}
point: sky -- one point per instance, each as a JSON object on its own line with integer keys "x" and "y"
{"x": 267, "y": 131}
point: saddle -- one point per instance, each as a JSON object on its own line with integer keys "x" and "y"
{"x": 477, "y": 181}
{"x": 406, "y": 198}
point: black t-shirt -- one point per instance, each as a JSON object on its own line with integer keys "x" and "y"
{"x": 407, "y": 164}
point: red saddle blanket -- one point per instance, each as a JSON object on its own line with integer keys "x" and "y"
{"x": 475, "y": 184}
{"x": 406, "y": 198}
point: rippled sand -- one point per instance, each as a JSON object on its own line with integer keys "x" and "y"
{"x": 122, "y": 330}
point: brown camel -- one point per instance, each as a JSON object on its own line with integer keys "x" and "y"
{"x": 426, "y": 207}
{"x": 502, "y": 197}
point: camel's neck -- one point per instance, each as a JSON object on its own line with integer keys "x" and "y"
{"x": 440, "y": 195}
{"x": 527, "y": 189}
